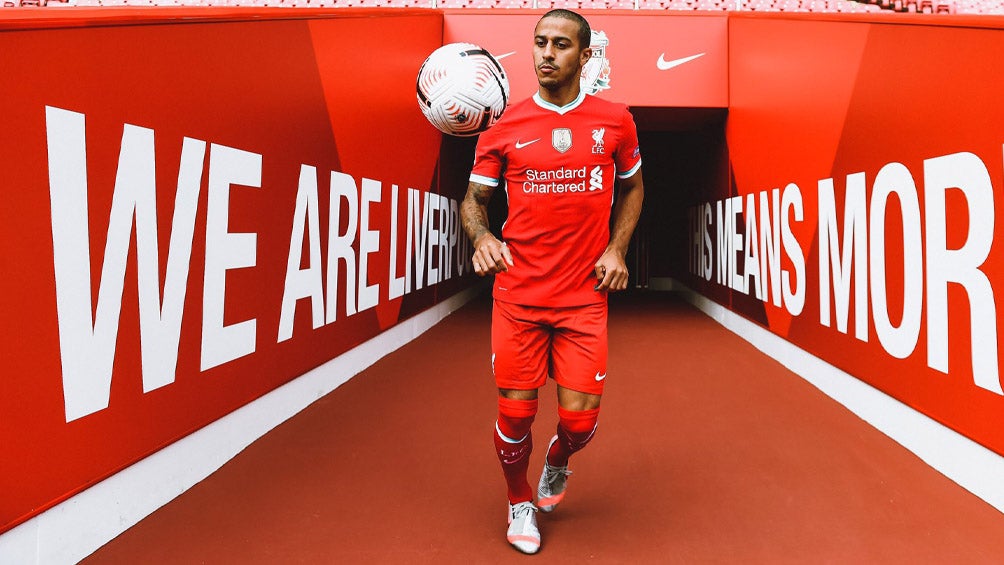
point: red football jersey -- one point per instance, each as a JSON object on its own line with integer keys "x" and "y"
{"x": 558, "y": 166}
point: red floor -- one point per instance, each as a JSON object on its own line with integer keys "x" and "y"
{"x": 707, "y": 452}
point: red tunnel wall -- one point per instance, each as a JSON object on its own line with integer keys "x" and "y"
{"x": 224, "y": 132}
{"x": 891, "y": 132}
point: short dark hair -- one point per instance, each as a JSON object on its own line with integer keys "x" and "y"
{"x": 585, "y": 34}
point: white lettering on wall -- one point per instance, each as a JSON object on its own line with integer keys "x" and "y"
{"x": 764, "y": 237}
{"x": 87, "y": 344}
{"x": 792, "y": 283}
{"x": 369, "y": 242}
{"x": 303, "y": 283}
{"x": 88, "y": 332}
{"x": 853, "y": 253}
{"x": 396, "y": 287}
{"x": 418, "y": 235}
{"x": 343, "y": 187}
{"x": 967, "y": 173}
{"x": 838, "y": 254}
{"x": 898, "y": 341}
{"x": 225, "y": 251}
{"x": 770, "y": 245}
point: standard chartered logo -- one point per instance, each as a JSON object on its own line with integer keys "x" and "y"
{"x": 563, "y": 180}
{"x": 596, "y": 179}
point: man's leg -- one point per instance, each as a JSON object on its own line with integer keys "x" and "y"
{"x": 513, "y": 441}
{"x": 519, "y": 363}
{"x": 577, "y": 415}
{"x": 579, "y": 356}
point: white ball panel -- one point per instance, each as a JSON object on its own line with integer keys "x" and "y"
{"x": 461, "y": 89}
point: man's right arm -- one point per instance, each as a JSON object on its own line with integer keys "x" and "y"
{"x": 490, "y": 254}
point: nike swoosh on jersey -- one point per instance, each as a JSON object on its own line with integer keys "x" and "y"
{"x": 522, "y": 145}
{"x": 665, "y": 65}
{"x": 600, "y": 377}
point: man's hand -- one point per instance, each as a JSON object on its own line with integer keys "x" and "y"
{"x": 611, "y": 271}
{"x": 491, "y": 255}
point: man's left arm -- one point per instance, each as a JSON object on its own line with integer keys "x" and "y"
{"x": 611, "y": 268}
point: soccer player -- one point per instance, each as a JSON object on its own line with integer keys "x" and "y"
{"x": 557, "y": 154}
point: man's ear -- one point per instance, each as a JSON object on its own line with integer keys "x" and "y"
{"x": 586, "y": 54}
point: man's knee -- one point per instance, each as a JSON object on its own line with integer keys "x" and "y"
{"x": 575, "y": 429}
{"x": 516, "y": 394}
{"x": 574, "y": 400}
{"x": 515, "y": 418}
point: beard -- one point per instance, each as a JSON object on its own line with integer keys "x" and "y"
{"x": 549, "y": 83}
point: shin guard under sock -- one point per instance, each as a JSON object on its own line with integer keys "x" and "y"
{"x": 513, "y": 444}
{"x": 575, "y": 429}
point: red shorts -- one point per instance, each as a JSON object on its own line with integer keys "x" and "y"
{"x": 530, "y": 343}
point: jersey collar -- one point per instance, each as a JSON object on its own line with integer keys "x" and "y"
{"x": 561, "y": 110}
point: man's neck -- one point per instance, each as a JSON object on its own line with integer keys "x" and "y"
{"x": 561, "y": 96}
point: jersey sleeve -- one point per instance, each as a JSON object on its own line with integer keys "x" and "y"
{"x": 488, "y": 160}
{"x": 628, "y": 155}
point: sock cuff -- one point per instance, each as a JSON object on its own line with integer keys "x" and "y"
{"x": 517, "y": 409}
{"x": 515, "y": 419}
{"x": 578, "y": 421}
{"x": 502, "y": 435}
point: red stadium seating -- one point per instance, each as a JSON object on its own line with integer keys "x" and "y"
{"x": 985, "y": 7}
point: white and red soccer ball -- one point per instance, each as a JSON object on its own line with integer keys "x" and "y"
{"x": 462, "y": 89}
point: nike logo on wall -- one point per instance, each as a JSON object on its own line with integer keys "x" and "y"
{"x": 520, "y": 145}
{"x": 600, "y": 377}
{"x": 504, "y": 55}
{"x": 665, "y": 65}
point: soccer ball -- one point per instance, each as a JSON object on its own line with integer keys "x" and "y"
{"x": 462, "y": 89}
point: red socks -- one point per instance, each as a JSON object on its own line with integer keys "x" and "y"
{"x": 513, "y": 442}
{"x": 513, "y": 445}
{"x": 575, "y": 429}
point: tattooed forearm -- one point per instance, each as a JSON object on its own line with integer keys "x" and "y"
{"x": 474, "y": 210}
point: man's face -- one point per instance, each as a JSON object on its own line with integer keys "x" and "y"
{"x": 557, "y": 55}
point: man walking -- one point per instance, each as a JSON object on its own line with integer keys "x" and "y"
{"x": 557, "y": 154}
